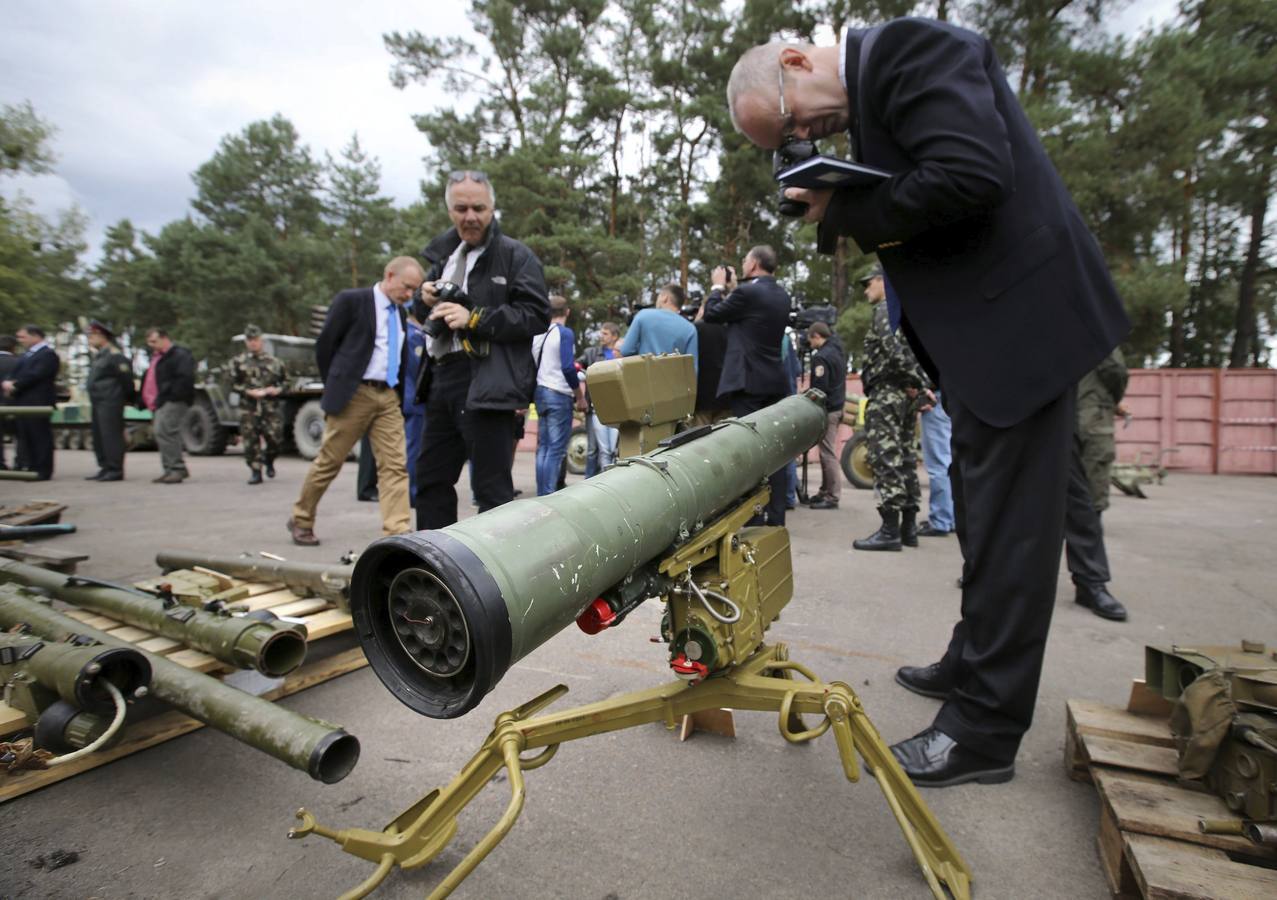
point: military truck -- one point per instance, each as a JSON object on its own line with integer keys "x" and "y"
{"x": 212, "y": 423}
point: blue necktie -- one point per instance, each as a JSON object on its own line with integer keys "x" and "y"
{"x": 893, "y": 304}
{"x": 392, "y": 346}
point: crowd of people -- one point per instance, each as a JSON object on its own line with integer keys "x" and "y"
{"x": 994, "y": 317}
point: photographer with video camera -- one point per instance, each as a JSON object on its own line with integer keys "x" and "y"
{"x": 483, "y": 300}
{"x": 756, "y": 312}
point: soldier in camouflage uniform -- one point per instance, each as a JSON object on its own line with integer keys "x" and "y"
{"x": 1098, "y": 395}
{"x": 258, "y": 378}
{"x": 892, "y": 379}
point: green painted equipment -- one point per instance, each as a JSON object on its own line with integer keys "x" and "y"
{"x": 322, "y": 750}
{"x": 443, "y": 614}
{"x": 264, "y": 643}
{"x": 306, "y": 579}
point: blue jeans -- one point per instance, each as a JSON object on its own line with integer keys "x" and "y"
{"x": 414, "y": 425}
{"x": 791, "y": 482}
{"x": 603, "y": 441}
{"x": 937, "y": 433}
{"x": 554, "y": 425}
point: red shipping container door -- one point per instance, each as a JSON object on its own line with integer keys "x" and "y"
{"x": 1201, "y": 420}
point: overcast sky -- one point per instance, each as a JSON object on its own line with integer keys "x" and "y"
{"x": 141, "y": 92}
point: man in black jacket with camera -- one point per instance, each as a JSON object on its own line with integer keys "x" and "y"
{"x": 485, "y": 298}
{"x": 756, "y": 312}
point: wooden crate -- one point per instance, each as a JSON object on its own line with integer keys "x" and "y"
{"x": 1148, "y": 840}
{"x": 322, "y": 621}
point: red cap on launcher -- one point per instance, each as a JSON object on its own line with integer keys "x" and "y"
{"x": 597, "y": 616}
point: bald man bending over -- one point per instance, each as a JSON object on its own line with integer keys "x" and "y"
{"x": 362, "y": 356}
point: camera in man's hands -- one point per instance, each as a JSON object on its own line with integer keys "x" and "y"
{"x": 444, "y": 290}
{"x": 790, "y": 154}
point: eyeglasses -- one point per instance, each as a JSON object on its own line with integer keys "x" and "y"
{"x": 786, "y": 117}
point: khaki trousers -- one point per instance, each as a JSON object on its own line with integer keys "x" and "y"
{"x": 373, "y": 411}
{"x": 830, "y": 470}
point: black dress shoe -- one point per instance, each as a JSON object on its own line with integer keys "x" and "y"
{"x": 824, "y": 503}
{"x": 255, "y": 478}
{"x": 933, "y": 759}
{"x": 929, "y": 681}
{"x": 97, "y": 477}
{"x": 926, "y": 529}
{"x": 112, "y": 476}
{"x": 1098, "y": 600}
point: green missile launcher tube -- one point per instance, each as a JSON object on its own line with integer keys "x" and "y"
{"x": 313, "y": 579}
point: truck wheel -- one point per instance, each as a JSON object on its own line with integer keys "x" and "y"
{"x": 202, "y": 434}
{"x": 308, "y": 429}
{"x": 578, "y": 449}
{"x": 855, "y": 461}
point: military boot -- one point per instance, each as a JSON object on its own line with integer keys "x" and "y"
{"x": 270, "y": 467}
{"x": 909, "y": 526}
{"x": 256, "y": 477}
{"x": 885, "y": 538}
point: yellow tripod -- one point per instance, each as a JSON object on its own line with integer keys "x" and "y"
{"x": 765, "y": 681}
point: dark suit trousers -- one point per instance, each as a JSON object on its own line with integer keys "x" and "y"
{"x": 1083, "y": 534}
{"x": 1009, "y": 487}
{"x": 743, "y": 405}
{"x": 35, "y": 446}
{"x": 108, "y": 437}
{"x": 454, "y": 434}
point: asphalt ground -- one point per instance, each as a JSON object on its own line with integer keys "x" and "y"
{"x": 634, "y": 814}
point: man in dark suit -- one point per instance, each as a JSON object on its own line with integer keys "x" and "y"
{"x": 756, "y": 312}
{"x": 1004, "y": 296}
{"x": 362, "y": 354}
{"x": 32, "y": 384}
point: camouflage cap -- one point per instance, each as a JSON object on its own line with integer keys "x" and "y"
{"x": 252, "y": 331}
{"x": 875, "y": 272}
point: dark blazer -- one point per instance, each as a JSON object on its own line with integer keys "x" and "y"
{"x": 175, "y": 377}
{"x": 1005, "y": 294}
{"x": 345, "y": 346}
{"x": 33, "y": 378}
{"x": 711, "y": 350}
{"x": 756, "y": 314}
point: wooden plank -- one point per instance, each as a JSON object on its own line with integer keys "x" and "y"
{"x": 1166, "y": 869}
{"x": 1144, "y": 701}
{"x": 11, "y": 719}
{"x": 160, "y": 646}
{"x": 1163, "y": 809}
{"x": 131, "y": 634}
{"x": 1095, "y": 718}
{"x": 301, "y": 607}
{"x": 260, "y": 587}
{"x": 169, "y": 725}
{"x": 1117, "y": 872}
{"x": 267, "y": 600}
{"x": 330, "y": 621}
{"x": 92, "y": 619}
{"x": 1106, "y": 751}
{"x": 195, "y": 659}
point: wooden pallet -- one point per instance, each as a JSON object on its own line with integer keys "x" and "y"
{"x": 1148, "y": 841}
{"x": 33, "y": 512}
{"x": 324, "y": 662}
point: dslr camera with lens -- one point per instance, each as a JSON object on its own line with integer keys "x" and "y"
{"x": 444, "y": 290}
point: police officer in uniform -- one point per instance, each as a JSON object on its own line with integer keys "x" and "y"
{"x": 110, "y": 388}
{"x": 892, "y": 378}
{"x": 258, "y": 378}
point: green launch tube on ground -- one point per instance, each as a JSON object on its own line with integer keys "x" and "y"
{"x": 272, "y": 647}
{"x": 330, "y": 582}
{"x": 323, "y": 750}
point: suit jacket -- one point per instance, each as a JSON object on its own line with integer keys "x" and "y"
{"x": 345, "y": 345}
{"x": 756, "y": 314}
{"x": 1005, "y": 295}
{"x": 33, "y": 378}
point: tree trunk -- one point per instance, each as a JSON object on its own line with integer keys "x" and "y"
{"x": 1246, "y": 332}
{"x": 838, "y": 281}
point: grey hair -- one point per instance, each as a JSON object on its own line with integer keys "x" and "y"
{"x": 756, "y": 72}
{"x": 492, "y": 191}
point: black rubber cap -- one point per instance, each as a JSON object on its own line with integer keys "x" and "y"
{"x": 475, "y": 591}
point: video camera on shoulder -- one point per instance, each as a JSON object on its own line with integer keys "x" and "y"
{"x": 802, "y": 317}
{"x": 692, "y": 306}
{"x": 444, "y": 290}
